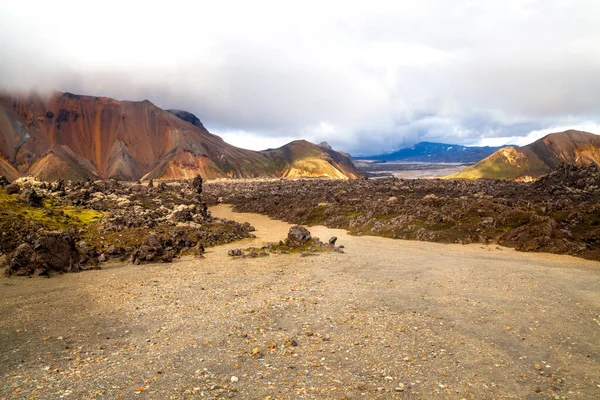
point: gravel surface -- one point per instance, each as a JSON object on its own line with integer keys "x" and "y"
{"x": 387, "y": 319}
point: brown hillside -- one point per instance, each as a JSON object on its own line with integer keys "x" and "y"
{"x": 76, "y": 137}
{"x": 538, "y": 158}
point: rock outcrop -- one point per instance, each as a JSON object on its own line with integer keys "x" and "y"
{"x": 52, "y": 251}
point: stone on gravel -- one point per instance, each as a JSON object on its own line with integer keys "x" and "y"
{"x": 297, "y": 236}
{"x": 235, "y": 253}
{"x": 52, "y": 251}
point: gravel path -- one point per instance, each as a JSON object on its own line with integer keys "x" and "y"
{"x": 387, "y": 319}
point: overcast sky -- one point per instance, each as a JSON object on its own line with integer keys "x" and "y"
{"x": 367, "y": 77}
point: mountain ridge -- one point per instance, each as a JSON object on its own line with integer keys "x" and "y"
{"x": 435, "y": 152}
{"x": 539, "y": 158}
{"x": 78, "y": 136}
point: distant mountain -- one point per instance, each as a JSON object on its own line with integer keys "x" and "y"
{"x": 436, "y": 152}
{"x": 77, "y": 137}
{"x": 538, "y": 158}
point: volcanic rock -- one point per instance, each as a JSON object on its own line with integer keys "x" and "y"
{"x": 197, "y": 184}
{"x": 12, "y": 188}
{"x": 297, "y": 236}
{"x": 31, "y": 197}
{"x": 559, "y": 213}
{"x": 235, "y": 253}
{"x": 52, "y": 251}
{"x": 569, "y": 177}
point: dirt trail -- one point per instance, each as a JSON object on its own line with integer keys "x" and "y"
{"x": 387, "y": 319}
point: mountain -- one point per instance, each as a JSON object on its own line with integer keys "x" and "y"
{"x": 77, "y": 137}
{"x": 300, "y": 159}
{"x": 538, "y": 158}
{"x": 187, "y": 116}
{"x": 436, "y": 152}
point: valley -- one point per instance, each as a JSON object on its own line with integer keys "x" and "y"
{"x": 282, "y": 200}
{"x": 407, "y": 169}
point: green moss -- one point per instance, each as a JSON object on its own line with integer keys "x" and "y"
{"x": 515, "y": 220}
{"x": 384, "y": 217}
{"x": 441, "y": 226}
{"x": 592, "y": 219}
{"x": 85, "y": 215}
{"x": 50, "y": 216}
{"x": 312, "y": 246}
{"x": 316, "y": 216}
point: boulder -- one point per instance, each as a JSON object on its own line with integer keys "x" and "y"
{"x": 31, "y": 197}
{"x": 57, "y": 252}
{"x": 235, "y": 253}
{"x": 52, "y": 251}
{"x": 297, "y": 236}
{"x": 12, "y": 188}
{"x": 58, "y": 186}
{"x": 199, "y": 250}
{"x": 155, "y": 248}
{"x": 197, "y": 184}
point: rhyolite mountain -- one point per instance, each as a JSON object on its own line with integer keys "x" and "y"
{"x": 539, "y": 158}
{"x": 436, "y": 152}
{"x": 70, "y": 136}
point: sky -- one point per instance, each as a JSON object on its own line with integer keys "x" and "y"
{"x": 368, "y": 77}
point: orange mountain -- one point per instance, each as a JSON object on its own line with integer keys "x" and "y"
{"x": 538, "y": 158}
{"x": 76, "y": 137}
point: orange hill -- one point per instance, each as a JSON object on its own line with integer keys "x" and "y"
{"x": 77, "y": 137}
{"x": 538, "y": 158}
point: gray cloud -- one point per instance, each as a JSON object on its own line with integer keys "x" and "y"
{"x": 366, "y": 79}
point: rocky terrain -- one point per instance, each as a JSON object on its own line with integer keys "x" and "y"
{"x": 539, "y": 158}
{"x": 58, "y": 227}
{"x": 298, "y": 240}
{"x": 76, "y": 137}
{"x": 559, "y": 213}
{"x": 387, "y": 319}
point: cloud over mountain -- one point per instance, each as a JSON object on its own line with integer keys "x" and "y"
{"x": 365, "y": 77}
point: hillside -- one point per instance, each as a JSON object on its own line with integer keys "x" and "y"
{"x": 538, "y": 158}
{"x": 436, "y": 152}
{"x": 77, "y": 137}
{"x": 300, "y": 159}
